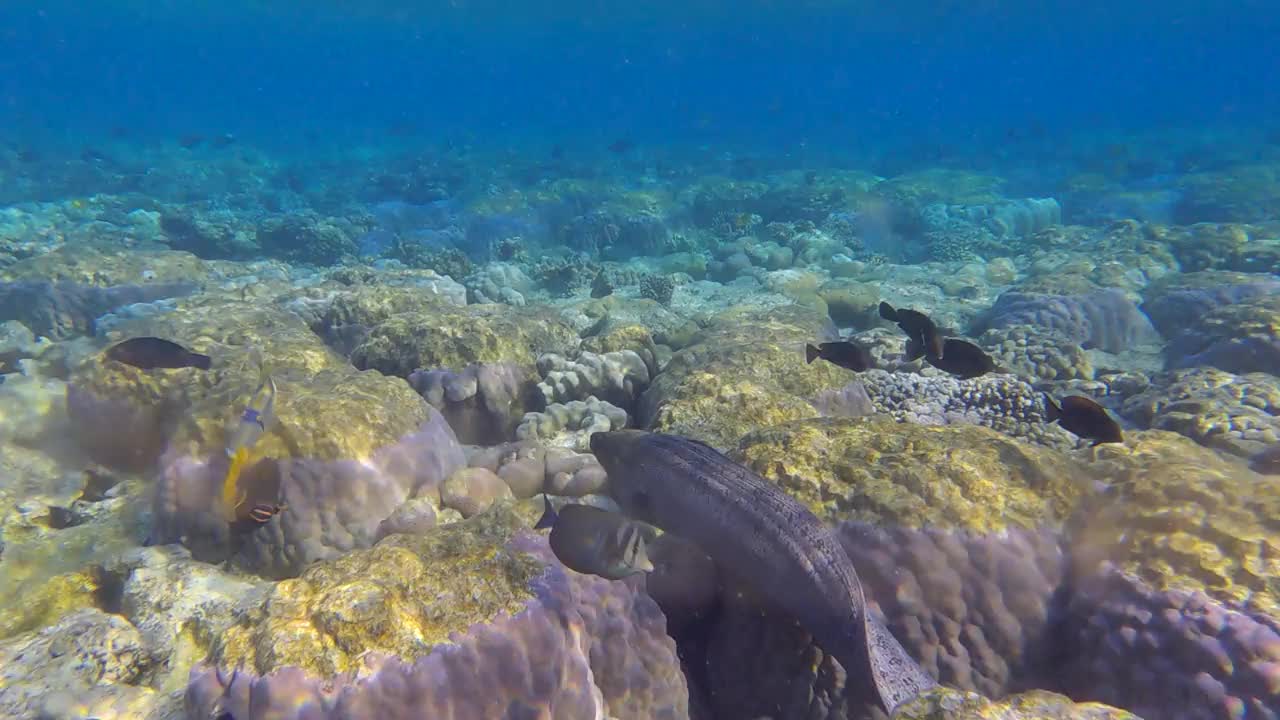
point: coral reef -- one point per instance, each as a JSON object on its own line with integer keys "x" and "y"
{"x": 744, "y": 371}
{"x": 1001, "y": 402}
{"x": 571, "y": 424}
{"x": 1242, "y": 337}
{"x": 531, "y": 468}
{"x": 1094, "y": 318}
{"x": 482, "y": 403}
{"x": 616, "y": 377}
{"x": 449, "y": 337}
{"x": 418, "y": 612}
{"x": 1238, "y": 414}
{"x": 61, "y": 309}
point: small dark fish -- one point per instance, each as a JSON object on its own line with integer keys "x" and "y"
{"x": 621, "y": 146}
{"x": 223, "y": 140}
{"x": 61, "y": 518}
{"x": 959, "y": 357}
{"x": 263, "y": 512}
{"x": 1084, "y": 418}
{"x": 597, "y": 542}
{"x": 1267, "y": 460}
{"x": 557, "y": 152}
{"x": 844, "y": 353}
{"x": 918, "y": 327}
{"x": 190, "y": 141}
{"x": 149, "y": 353}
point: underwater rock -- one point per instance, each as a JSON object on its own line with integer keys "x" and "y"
{"x": 1242, "y": 338}
{"x": 88, "y": 664}
{"x": 616, "y": 377}
{"x": 1241, "y": 193}
{"x": 449, "y": 337}
{"x": 61, "y": 309}
{"x": 998, "y": 401}
{"x": 744, "y": 371}
{"x": 476, "y": 599}
{"x": 308, "y": 237}
{"x": 1211, "y": 246}
{"x": 850, "y": 401}
{"x": 103, "y": 264}
{"x": 471, "y": 490}
{"x": 213, "y": 234}
{"x": 483, "y": 402}
{"x": 948, "y": 704}
{"x": 1037, "y": 354}
{"x": 1174, "y": 612}
{"x": 1238, "y": 414}
{"x": 956, "y": 477}
{"x": 1173, "y": 301}
{"x": 530, "y": 468}
{"x": 1100, "y": 318}
{"x": 333, "y": 503}
{"x": 571, "y": 424}
{"x": 499, "y": 283}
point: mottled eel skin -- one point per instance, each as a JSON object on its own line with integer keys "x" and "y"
{"x": 759, "y": 533}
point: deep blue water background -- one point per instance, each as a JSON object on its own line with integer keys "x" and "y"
{"x": 837, "y": 76}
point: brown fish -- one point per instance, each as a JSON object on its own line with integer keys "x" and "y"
{"x": 959, "y": 357}
{"x": 844, "y": 353}
{"x": 918, "y": 327}
{"x": 1084, "y": 418}
{"x": 149, "y": 353}
{"x": 593, "y": 541}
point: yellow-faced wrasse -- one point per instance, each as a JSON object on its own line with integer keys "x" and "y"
{"x": 258, "y": 413}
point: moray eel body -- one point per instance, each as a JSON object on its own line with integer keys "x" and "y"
{"x": 758, "y": 532}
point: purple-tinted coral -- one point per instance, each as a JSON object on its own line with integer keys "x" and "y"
{"x": 331, "y": 506}
{"x": 482, "y": 402}
{"x": 582, "y": 648}
{"x": 1168, "y": 654}
{"x": 1104, "y": 319}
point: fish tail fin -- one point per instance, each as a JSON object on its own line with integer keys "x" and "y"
{"x": 811, "y": 353}
{"x": 548, "y": 518}
{"x": 201, "y": 361}
{"x": 1051, "y": 409}
{"x": 914, "y": 350}
{"x": 887, "y": 312}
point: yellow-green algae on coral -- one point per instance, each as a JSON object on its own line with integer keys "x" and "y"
{"x": 953, "y": 476}
{"x": 454, "y": 337}
{"x": 745, "y": 371}
{"x": 947, "y": 704}
{"x": 324, "y": 408}
{"x": 45, "y": 572}
{"x": 1181, "y": 517}
{"x": 403, "y": 596}
{"x": 106, "y": 264}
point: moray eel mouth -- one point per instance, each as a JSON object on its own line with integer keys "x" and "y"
{"x": 755, "y": 530}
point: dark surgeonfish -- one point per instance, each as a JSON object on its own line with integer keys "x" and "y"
{"x": 1084, "y": 418}
{"x": 844, "y": 353}
{"x": 959, "y": 357}
{"x": 757, "y": 532}
{"x": 918, "y": 327}
{"x": 149, "y": 353}
{"x": 593, "y": 541}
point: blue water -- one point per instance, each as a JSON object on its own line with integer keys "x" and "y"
{"x": 813, "y": 79}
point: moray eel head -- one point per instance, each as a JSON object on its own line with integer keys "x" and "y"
{"x": 624, "y": 455}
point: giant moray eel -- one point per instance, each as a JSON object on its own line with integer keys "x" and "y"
{"x": 758, "y": 532}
